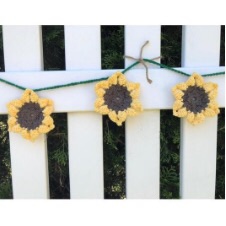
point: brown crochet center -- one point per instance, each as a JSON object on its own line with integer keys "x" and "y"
{"x": 117, "y": 98}
{"x": 30, "y": 116}
{"x": 195, "y": 99}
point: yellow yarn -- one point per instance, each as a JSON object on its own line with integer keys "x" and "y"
{"x": 134, "y": 90}
{"x": 12, "y": 110}
{"x": 48, "y": 110}
{"x": 14, "y": 107}
{"x": 181, "y": 86}
{"x": 211, "y": 90}
{"x": 104, "y": 110}
{"x": 98, "y": 103}
{"x": 100, "y": 92}
{"x": 43, "y": 102}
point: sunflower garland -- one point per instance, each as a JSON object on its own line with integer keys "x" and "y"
{"x": 117, "y": 98}
{"x": 195, "y": 99}
{"x": 30, "y": 115}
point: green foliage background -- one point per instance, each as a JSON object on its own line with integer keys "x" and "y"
{"x": 114, "y": 136}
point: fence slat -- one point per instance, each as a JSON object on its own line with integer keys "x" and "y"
{"x": 142, "y": 131}
{"x": 201, "y": 46}
{"x": 23, "y": 52}
{"x": 82, "y": 44}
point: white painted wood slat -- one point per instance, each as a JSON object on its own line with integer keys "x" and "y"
{"x": 82, "y": 45}
{"x": 201, "y": 46}
{"x": 142, "y": 131}
{"x": 23, "y": 52}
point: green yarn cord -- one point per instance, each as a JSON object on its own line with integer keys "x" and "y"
{"x": 104, "y": 78}
{"x": 71, "y": 84}
{"x": 181, "y": 72}
{"x": 12, "y": 84}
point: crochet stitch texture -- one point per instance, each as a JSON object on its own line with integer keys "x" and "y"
{"x": 195, "y": 99}
{"x": 117, "y": 98}
{"x": 30, "y": 115}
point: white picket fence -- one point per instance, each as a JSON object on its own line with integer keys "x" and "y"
{"x": 24, "y": 66}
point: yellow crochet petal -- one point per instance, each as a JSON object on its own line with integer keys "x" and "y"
{"x": 102, "y": 84}
{"x": 214, "y": 106}
{"x": 113, "y": 79}
{"x": 113, "y": 116}
{"x": 51, "y": 126}
{"x": 34, "y": 134}
{"x": 198, "y": 118}
{"x": 131, "y": 112}
{"x": 43, "y": 129}
{"x": 178, "y": 94}
{"x": 122, "y": 79}
{"x": 209, "y": 86}
{"x": 209, "y": 112}
{"x": 190, "y": 81}
{"x": 50, "y": 103}
{"x": 177, "y": 105}
{"x": 118, "y": 122}
{"x": 122, "y": 116}
{"x": 136, "y": 105}
{"x": 34, "y": 97}
{"x": 135, "y": 93}
{"x": 12, "y": 110}
{"x": 104, "y": 110}
{"x": 119, "y": 73}
{"x": 48, "y": 110}
{"x": 190, "y": 117}
{"x": 17, "y": 128}
{"x": 217, "y": 111}
{"x": 17, "y": 103}
{"x": 43, "y": 102}
{"x": 199, "y": 81}
{"x": 26, "y": 96}
{"x": 132, "y": 86}
{"x": 12, "y": 121}
{"x": 25, "y": 134}
{"x": 99, "y": 102}
{"x": 100, "y": 92}
{"x": 181, "y": 86}
{"x": 213, "y": 94}
{"x": 180, "y": 113}
{"x": 47, "y": 120}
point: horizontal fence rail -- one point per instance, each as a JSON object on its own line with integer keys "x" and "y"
{"x": 24, "y": 66}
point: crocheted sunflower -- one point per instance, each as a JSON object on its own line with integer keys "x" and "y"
{"x": 117, "y": 98}
{"x": 30, "y": 115}
{"x": 195, "y": 99}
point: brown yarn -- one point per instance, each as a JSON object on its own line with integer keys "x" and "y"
{"x": 195, "y": 99}
{"x": 140, "y": 59}
{"x": 117, "y": 98}
{"x": 30, "y": 116}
